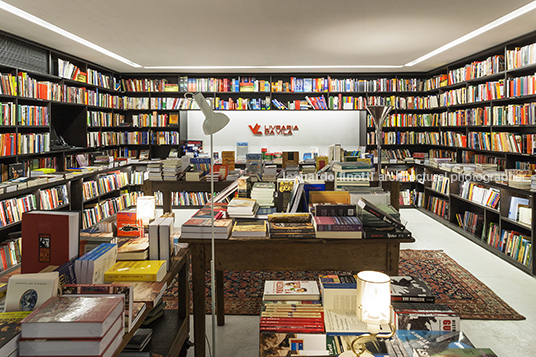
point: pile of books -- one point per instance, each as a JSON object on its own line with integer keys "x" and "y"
{"x": 241, "y": 207}
{"x": 170, "y": 169}
{"x": 249, "y": 228}
{"x": 269, "y": 173}
{"x": 74, "y": 326}
{"x": 154, "y": 168}
{"x": 291, "y": 225}
{"x": 338, "y": 227}
{"x": 263, "y": 193}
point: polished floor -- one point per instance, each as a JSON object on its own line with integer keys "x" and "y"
{"x": 239, "y": 337}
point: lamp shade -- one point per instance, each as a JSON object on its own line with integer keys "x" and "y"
{"x": 145, "y": 208}
{"x": 214, "y": 122}
{"x": 373, "y": 299}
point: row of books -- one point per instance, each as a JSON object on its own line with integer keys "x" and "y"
{"x": 512, "y": 243}
{"x": 104, "y": 184}
{"x": 101, "y": 138}
{"x": 411, "y": 197}
{"x": 470, "y": 221}
{"x": 154, "y": 120}
{"x": 54, "y": 197}
{"x": 439, "y": 206}
{"x": 487, "y": 196}
{"x": 29, "y": 115}
{"x": 477, "y": 69}
{"x": 104, "y": 119}
{"x": 440, "y": 183}
{"x": 95, "y": 213}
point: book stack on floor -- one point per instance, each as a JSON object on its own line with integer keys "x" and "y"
{"x": 291, "y": 225}
{"x": 74, "y": 326}
{"x": 245, "y": 228}
{"x": 291, "y": 319}
{"x": 242, "y": 207}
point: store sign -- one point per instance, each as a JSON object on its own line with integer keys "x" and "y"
{"x": 273, "y": 129}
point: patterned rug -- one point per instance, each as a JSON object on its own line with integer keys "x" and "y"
{"x": 451, "y": 284}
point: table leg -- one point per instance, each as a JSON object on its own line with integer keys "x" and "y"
{"x": 198, "y": 286}
{"x": 392, "y": 259}
{"x": 220, "y": 299}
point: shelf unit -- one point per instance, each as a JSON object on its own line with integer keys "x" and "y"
{"x": 449, "y": 111}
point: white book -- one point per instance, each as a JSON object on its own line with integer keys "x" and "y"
{"x": 26, "y": 292}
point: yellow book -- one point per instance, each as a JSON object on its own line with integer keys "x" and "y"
{"x": 139, "y": 270}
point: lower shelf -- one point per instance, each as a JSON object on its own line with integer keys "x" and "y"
{"x": 476, "y": 240}
{"x": 169, "y": 335}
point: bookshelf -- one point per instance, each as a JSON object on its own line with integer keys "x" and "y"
{"x": 478, "y": 109}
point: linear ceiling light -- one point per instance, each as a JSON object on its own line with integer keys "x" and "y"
{"x": 272, "y": 67}
{"x": 48, "y": 25}
{"x": 522, "y": 10}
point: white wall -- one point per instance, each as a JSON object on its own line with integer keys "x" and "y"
{"x": 316, "y": 129}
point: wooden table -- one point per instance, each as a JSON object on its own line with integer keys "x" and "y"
{"x": 281, "y": 254}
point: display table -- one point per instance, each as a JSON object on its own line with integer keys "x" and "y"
{"x": 281, "y": 255}
{"x": 169, "y": 341}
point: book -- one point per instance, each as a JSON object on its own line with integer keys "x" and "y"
{"x": 458, "y": 352}
{"x": 289, "y": 344}
{"x": 61, "y": 346}
{"x": 333, "y": 209}
{"x": 419, "y": 343}
{"x": 140, "y": 339}
{"x": 290, "y": 290}
{"x": 385, "y": 233}
{"x": 425, "y": 316}
{"x": 73, "y": 317}
{"x": 128, "y": 225}
{"x": 16, "y": 170}
{"x": 372, "y": 208}
{"x": 410, "y": 289}
{"x": 202, "y": 228}
{"x": 345, "y": 322}
{"x": 90, "y": 267}
{"x": 134, "y": 249}
{"x": 10, "y": 331}
{"x": 88, "y": 289}
{"x": 514, "y": 204}
{"x": 249, "y": 228}
{"x": 26, "y": 292}
{"x": 50, "y": 238}
{"x": 148, "y": 292}
{"x": 143, "y": 270}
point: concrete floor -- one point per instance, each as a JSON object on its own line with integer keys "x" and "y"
{"x": 239, "y": 337}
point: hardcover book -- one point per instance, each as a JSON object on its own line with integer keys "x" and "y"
{"x": 373, "y": 209}
{"x": 127, "y": 224}
{"x": 50, "y": 238}
{"x": 410, "y": 289}
{"x": 142, "y": 270}
{"x": 61, "y": 346}
{"x": 290, "y": 290}
{"x": 420, "y": 343}
{"x": 249, "y": 228}
{"x": 26, "y": 292}
{"x": 148, "y": 292}
{"x": 10, "y": 331}
{"x": 425, "y": 316}
{"x": 73, "y": 317}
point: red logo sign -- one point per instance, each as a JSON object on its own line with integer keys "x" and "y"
{"x": 255, "y": 129}
{"x": 273, "y": 129}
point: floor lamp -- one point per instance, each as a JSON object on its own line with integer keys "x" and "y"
{"x": 213, "y": 123}
{"x": 379, "y": 114}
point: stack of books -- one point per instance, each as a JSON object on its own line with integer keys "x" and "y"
{"x": 291, "y": 225}
{"x": 154, "y": 169}
{"x": 74, "y": 326}
{"x": 234, "y": 174}
{"x": 353, "y": 173}
{"x": 242, "y": 207}
{"x": 269, "y": 173}
{"x": 194, "y": 175}
{"x": 249, "y": 228}
{"x": 263, "y": 192}
{"x": 170, "y": 169}
{"x": 201, "y": 228}
{"x": 338, "y": 227}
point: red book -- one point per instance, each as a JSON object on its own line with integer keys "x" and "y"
{"x": 73, "y": 316}
{"x": 50, "y": 238}
{"x": 127, "y": 224}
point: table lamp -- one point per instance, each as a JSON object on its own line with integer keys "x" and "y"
{"x": 145, "y": 209}
{"x": 374, "y": 308}
{"x": 213, "y": 123}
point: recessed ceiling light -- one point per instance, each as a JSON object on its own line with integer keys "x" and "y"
{"x": 273, "y": 67}
{"x": 522, "y": 10}
{"x": 51, "y": 27}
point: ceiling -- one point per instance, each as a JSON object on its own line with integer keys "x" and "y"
{"x": 269, "y": 32}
